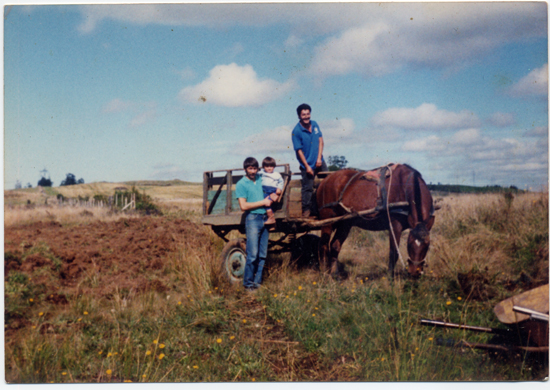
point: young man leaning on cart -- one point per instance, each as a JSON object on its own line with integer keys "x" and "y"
{"x": 251, "y": 199}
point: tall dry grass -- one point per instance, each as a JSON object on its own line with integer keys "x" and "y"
{"x": 301, "y": 325}
{"x": 66, "y": 215}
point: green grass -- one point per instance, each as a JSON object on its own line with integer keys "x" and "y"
{"x": 301, "y": 326}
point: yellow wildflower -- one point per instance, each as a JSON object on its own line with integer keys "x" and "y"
{"x": 431, "y": 338}
{"x": 299, "y": 287}
{"x": 80, "y": 319}
{"x": 155, "y": 341}
{"x": 144, "y": 376}
{"x": 274, "y": 295}
{"x": 127, "y": 381}
{"x": 85, "y": 313}
{"x": 161, "y": 356}
{"x": 63, "y": 373}
{"x": 231, "y": 337}
{"x": 459, "y": 298}
{"x": 448, "y": 303}
{"x": 161, "y": 346}
{"x": 244, "y": 321}
{"x": 219, "y": 341}
{"x": 40, "y": 314}
{"x": 31, "y": 300}
{"x": 148, "y": 353}
{"x": 195, "y": 367}
{"x": 313, "y": 315}
{"x": 109, "y": 372}
{"x": 179, "y": 302}
{"x": 109, "y": 354}
{"x": 314, "y": 283}
{"x": 100, "y": 352}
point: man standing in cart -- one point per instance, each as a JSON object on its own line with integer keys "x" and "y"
{"x": 307, "y": 140}
{"x": 250, "y": 195}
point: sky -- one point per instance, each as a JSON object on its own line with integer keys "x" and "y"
{"x": 148, "y": 91}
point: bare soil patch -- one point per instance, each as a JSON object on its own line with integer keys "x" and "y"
{"x": 100, "y": 257}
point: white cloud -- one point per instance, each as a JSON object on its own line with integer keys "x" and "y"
{"x": 466, "y": 137}
{"x": 338, "y": 131}
{"x": 425, "y": 117}
{"x": 144, "y": 118}
{"x": 368, "y": 38}
{"x": 235, "y": 86}
{"x": 116, "y": 106}
{"x": 186, "y": 74}
{"x": 272, "y": 142}
{"x": 143, "y": 113}
{"x": 502, "y": 119}
{"x": 434, "y": 35}
{"x": 534, "y": 84}
{"x": 539, "y": 131}
{"x": 293, "y": 42}
{"x": 470, "y": 150}
{"x": 432, "y": 144}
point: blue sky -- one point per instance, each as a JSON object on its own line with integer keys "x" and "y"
{"x": 133, "y": 92}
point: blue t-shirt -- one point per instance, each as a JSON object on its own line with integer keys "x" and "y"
{"x": 252, "y": 191}
{"x": 307, "y": 142}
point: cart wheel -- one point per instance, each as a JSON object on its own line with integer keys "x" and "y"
{"x": 305, "y": 252}
{"x": 233, "y": 259}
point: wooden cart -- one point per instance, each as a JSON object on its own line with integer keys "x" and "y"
{"x": 221, "y": 211}
{"x": 293, "y": 234}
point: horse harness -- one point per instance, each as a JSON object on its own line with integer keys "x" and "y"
{"x": 377, "y": 175}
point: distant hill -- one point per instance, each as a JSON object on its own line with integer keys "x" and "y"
{"x": 157, "y": 189}
{"x": 462, "y": 189}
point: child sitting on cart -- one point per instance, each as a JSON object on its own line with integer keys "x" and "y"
{"x": 272, "y": 184}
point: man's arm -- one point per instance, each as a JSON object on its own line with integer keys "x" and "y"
{"x": 320, "y": 155}
{"x": 246, "y": 206}
{"x": 302, "y": 158}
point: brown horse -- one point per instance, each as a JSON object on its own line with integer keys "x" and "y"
{"x": 351, "y": 191}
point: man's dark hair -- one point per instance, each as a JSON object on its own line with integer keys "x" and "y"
{"x": 250, "y": 162}
{"x": 302, "y": 107}
{"x": 269, "y": 162}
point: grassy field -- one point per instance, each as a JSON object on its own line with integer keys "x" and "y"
{"x": 301, "y": 326}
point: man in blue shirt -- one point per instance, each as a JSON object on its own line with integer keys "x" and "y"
{"x": 250, "y": 195}
{"x": 307, "y": 140}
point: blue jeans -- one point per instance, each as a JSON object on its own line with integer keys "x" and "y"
{"x": 257, "y": 239}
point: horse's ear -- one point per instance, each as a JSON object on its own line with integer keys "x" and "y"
{"x": 430, "y": 223}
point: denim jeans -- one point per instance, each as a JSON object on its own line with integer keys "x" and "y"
{"x": 257, "y": 239}
{"x": 307, "y": 187}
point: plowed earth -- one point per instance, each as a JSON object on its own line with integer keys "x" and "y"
{"x": 100, "y": 257}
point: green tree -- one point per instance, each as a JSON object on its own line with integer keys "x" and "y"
{"x": 335, "y": 163}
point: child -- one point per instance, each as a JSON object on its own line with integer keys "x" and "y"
{"x": 272, "y": 184}
{"x": 252, "y": 201}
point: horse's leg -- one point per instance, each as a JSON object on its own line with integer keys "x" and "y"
{"x": 342, "y": 231}
{"x": 395, "y": 236}
{"x": 326, "y": 232}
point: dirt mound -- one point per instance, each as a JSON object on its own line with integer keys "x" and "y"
{"x": 98, "y": 258}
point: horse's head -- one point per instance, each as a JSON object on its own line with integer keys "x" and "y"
{"x": 417, "y": 246}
